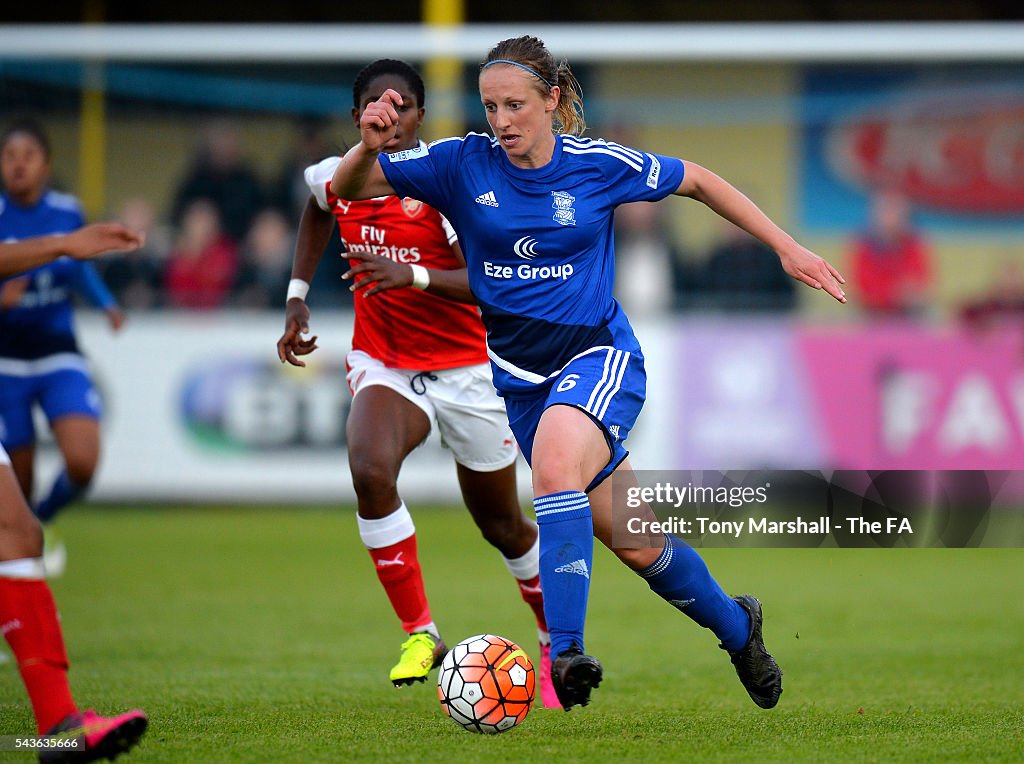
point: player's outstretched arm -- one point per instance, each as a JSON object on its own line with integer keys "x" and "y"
{"x": 799, "y": 262}
{"x": 87, "y": 242}
{"x": 359, "y": 176}
{"x": 314, "y": 231}
{"x": 18, "y": 256}
{"x": 95, "y": 239}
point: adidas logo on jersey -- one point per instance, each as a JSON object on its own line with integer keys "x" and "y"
{"x": 488, "y": 199}
{"x": 579, "y": 567}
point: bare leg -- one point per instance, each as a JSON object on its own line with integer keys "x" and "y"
{"x": 23, "y": 462}
{"x": 609, "y": 518}
{"x": 383, "y": 428}
{"x": 78, "y": 438}
{"x": 492, "y": 500}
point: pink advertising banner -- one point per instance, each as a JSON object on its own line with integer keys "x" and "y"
{"x": 909, "y": 397}
{"x": 764, "y": 394}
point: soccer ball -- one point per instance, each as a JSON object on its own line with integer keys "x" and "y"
{"x": 486, "y": 684}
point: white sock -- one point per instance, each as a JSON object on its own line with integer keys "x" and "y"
{"x": 26, "y": 567}
{"x": 385, "y": 531}
{"x": 527, "y": 565}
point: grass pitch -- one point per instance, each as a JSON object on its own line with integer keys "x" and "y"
{"x": 262, "y": 635}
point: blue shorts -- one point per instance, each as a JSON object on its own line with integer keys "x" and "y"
{"x": 59, "y": 393}
{"x": 607, "y": 385}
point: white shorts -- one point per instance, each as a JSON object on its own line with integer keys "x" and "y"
{"x": 5, "y": 459}
{"x": 462, "y": 402}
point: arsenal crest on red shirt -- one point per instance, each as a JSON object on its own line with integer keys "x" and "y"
{"x": 412, "y": 207}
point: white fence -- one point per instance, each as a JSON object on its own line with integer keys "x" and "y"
{"x": 198, "y": 408}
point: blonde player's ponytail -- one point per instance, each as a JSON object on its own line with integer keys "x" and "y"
{"x": 569, "y": 119}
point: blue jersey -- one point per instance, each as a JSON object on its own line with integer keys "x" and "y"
{"x": 537, "y": 242}
{"x": 41, "y": 324}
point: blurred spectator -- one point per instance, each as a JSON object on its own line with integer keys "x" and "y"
{"x": 649, "y": 268}
{"x": 889, "y": 263}
{"x": 742, "y": 274}
{"x": 262, "y": 279}
{"x": 202, "y": 266}
{"x": 220, "y": 175}
{"x": 289, "y": 191}
{"x": 1003, "y": 303}
{"x": 290, "y": 194}
{"x": 136, "y": 278}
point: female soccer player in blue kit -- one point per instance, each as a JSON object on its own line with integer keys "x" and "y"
{"x": 39, "y": 357}
{"x": 533, "y": 208}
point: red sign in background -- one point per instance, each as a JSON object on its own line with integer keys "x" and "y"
{"x": 956, "y": 153}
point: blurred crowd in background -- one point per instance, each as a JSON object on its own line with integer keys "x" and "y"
{"x": 228, "y": 240}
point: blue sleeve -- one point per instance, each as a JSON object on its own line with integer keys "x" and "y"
{"x": 422, "y": 172}
{"x": 88, "y": 282}
{"x": 646, "y": 178}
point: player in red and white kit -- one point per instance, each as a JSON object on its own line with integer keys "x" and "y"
{"x": 418, "y": 358}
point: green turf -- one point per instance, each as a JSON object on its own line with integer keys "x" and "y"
{"x": 262, "y": 635}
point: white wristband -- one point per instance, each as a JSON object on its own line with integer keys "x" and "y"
{"x": 297, "y": 288}
{"x": 420, "y": 276}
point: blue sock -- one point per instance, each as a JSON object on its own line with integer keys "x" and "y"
{"x": 566, "y": 554}
{"x": 680, "y": 577}
{"x": 61, "y": 494}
